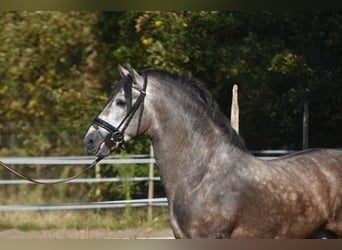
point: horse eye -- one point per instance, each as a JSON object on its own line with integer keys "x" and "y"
{"x": 120, "y": 103}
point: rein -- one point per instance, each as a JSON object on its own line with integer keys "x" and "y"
{"x": 113, "y": 140}
{"x": 23, "y": 176}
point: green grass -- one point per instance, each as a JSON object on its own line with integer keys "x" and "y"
{"x": 113, "y": 219}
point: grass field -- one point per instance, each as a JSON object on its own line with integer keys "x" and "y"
{"x": 109, "y": 219}
{"x": 86, "y": 224}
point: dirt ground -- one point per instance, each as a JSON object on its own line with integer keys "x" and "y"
{"x": 133, "y": 233}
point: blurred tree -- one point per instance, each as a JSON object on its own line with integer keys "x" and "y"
{"x": 280, "y": 60}
{"x": 49, "y": 78}
{"x": 57, "y": 68}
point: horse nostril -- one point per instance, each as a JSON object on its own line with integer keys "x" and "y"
{"x": 90, "y": 143}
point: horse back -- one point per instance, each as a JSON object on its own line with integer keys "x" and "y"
{"x": 317, "y": 157}
{"x": 323, "y": 164}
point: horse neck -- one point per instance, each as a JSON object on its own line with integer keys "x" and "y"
{"x": 185, "y": 141}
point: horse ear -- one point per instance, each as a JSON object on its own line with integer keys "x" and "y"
{"x": 137, "y": 78}
{"x": 123, "y": 72}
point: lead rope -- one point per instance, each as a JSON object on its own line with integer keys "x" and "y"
{"x": 123, "y": 123}
{"x": 23, "y": 176}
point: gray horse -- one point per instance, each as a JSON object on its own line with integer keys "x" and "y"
{"x": 214, "y": 186}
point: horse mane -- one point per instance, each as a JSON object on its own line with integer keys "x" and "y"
{"x": 197, "y": 90}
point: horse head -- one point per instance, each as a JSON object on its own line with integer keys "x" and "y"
{"x": 122, "y": 118}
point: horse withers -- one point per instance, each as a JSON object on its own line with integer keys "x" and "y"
{"x": 214, "y": 186}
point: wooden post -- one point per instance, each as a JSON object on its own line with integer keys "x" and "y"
{"x": 234, "y": 111}
{"x": 12, "y": 188}
{"x": 305, "y": 144}
{"x": 98, "y": 176}
{"x": 12, "y": 145}
{"x": 150, "y": 187}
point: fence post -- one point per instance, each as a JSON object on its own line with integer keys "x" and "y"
{"x": 234, "y": 111}
{"x": 98, "y": 176}
{"x": 150, "y": 187}
{"x": 12, "y": 148}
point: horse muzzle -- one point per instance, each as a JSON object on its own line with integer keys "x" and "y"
{"x": 95, "y": 144}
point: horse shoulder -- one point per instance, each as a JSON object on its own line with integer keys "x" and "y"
{"x": 208, "y": 211}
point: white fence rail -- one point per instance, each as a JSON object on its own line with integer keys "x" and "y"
{"x": 84, "y": 160}
{"x": 88, "y": 205}
{"x": 77, "y": 160}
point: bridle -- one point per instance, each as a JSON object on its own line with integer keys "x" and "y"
{"x": 115, "y": 138}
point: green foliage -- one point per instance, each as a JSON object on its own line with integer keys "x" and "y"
{"x": 57, "y": 69}
{"x": 47, "y": 64}
{"x": 278, "y": 60}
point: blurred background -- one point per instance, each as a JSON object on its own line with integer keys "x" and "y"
{"x": 57, "y": 70}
